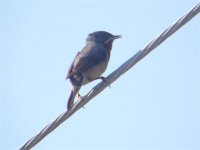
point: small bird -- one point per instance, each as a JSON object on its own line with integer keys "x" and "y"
{"x": 90, "y": 62}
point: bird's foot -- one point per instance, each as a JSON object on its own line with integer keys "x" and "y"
{"x": 104, "y": 80}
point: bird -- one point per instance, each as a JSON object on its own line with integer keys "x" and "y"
{"x": 90, "y": 63}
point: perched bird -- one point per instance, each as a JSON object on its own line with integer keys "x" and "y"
{"x": 90, "y": 62}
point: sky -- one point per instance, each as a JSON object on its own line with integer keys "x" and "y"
{"x": 155, "y": 105}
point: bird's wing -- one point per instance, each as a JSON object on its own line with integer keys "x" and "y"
{"x": 71, "y": 67}
{"x": 86, "y": 59}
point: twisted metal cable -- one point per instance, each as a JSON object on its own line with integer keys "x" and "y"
{"x": 112, "y": 77}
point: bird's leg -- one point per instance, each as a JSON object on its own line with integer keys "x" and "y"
{"x": 79, "y": 99}
{"x": 104, "y": 80}
{"x": 79, "y": 96}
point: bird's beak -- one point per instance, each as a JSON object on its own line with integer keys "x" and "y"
{"x": 114, "y": 37}
{"x": 117, "y": 37}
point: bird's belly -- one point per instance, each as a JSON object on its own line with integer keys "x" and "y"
{"x": 95, "y": 72}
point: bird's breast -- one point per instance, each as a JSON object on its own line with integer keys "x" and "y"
{"x": 95, "y": 71}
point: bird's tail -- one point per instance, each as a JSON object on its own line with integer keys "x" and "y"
{"x": 72, "y": 96}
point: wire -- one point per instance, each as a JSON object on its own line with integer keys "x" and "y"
{"x": 112, "y": 77}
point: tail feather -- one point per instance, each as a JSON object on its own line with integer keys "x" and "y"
{"x": 70, "y": 101}
{"x": 72, "y": 96}
{"x": 76, "y": 82}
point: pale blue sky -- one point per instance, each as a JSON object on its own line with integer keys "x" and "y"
{"x": 153, "y": 106}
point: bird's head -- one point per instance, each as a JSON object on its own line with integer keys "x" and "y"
{"x": 103, "y": 37}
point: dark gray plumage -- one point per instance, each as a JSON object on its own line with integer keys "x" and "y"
{"x": 90, "y": 62}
